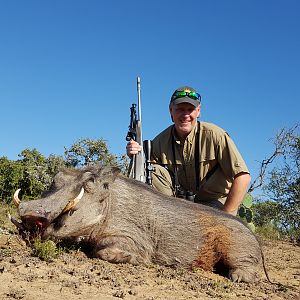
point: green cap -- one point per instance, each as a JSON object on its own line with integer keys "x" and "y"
{"x": 186, "y": 94}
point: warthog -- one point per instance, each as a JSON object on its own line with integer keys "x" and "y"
{"x": 125, "y": 221}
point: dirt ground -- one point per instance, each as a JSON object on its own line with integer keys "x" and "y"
{"x": 75, "y": 276}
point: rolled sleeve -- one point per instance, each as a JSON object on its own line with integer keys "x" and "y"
{"x": 230, "y": 158}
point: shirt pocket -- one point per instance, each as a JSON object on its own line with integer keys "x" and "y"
{"x": 213, "y": 182}
{"x": 206, "y": 163}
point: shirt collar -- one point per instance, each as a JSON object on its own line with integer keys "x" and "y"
{"x": 190, "y": 138}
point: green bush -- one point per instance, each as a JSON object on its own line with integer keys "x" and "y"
{"x": 45, "y": 250}
{"x": 268, "y": 231}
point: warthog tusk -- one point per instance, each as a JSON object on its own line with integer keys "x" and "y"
{"x": 72, "y": 203}
{"x": 15, "y": 222}
{"x": 16, "y": 199}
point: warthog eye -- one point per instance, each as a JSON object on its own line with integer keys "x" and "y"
{"x": 106, "y": 185}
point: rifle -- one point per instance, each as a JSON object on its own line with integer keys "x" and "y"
{"x": 137, "y": 162}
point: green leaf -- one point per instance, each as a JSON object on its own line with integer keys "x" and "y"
{"x": 249, "y": 215}
{"x": 242, "y": 211}
{"x": 248, "y": 200}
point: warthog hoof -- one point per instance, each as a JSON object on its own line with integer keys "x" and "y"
{"x": 115, "y": 255}
{"x": 241, "y": 275}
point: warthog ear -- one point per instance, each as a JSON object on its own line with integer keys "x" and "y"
{"x": 116, "y": 171}
{"x": 110, "y": 173}
{"x": 104, "y": 176}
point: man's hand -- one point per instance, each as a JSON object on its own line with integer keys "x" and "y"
{"x": 133, "y": 148}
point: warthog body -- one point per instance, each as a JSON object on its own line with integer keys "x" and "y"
{"x": 126, "y": 221}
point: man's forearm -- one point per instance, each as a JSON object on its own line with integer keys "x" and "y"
{"x": 237, "y": 192}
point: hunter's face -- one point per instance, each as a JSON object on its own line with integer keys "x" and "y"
{"x": 185, "y": 117}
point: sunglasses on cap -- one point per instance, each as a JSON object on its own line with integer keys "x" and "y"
{"x": 192, "y": 95}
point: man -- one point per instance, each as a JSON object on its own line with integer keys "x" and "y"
{"x": 196, "y": 160}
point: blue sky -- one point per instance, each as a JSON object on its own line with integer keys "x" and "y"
{"x": 68, "y": 69}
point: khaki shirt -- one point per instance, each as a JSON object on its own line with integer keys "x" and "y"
{"x": 216, "y": 147}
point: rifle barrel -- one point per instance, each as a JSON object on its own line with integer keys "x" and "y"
{"x": 138, "y": 84}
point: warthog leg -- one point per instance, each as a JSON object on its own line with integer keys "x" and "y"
{"x": 115, "y": 255}
{"x": 243, "y": 275}
{"x": 120, "y": 249}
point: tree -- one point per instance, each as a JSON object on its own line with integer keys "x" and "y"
{"x": 87, "y": 151}
{"x": 35, "y": 177}
{"x": 11, "y": 173}
{"x": 33, "y": 173}
{"x": 266, "y": 213}
{"x": 284, "y": 182}
{"x": 282, "y": 185}
{"x": 54, "y": 164}
{"x": 38, "y": 172}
